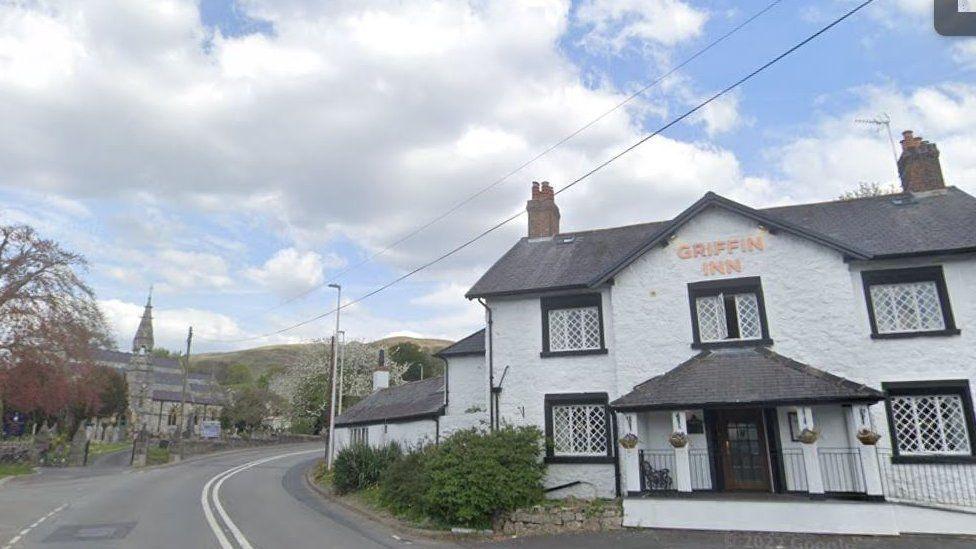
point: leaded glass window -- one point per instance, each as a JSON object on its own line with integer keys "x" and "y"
{"x": 907, "y": 307}
{"x": 933, "y": 424}
{"x": 579, "y": 430}
{"x": 728, "y": 316}
{"x": 574, "y": 329}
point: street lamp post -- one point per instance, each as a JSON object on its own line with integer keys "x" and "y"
{"x": 330, "y": 449}
{"x": 342, "y": 368}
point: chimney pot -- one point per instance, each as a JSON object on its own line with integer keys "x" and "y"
{"x": 919, "y": 166}
{"x": 381, "y": 375}
{"x": 543, "y": 212}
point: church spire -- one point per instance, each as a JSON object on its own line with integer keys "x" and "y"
{"x": 143, "y": 342}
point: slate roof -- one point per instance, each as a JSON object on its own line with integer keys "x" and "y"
{"x": 742, "y": 377}
{"x": 866, "y": 228}
{"x": 413, "y": 400}
{"x": 120, "y": 357}
{"x": 474, "y": 344}
{"x": 174, "y": 396}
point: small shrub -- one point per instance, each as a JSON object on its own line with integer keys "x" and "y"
{"x": 359, "y": 466}
{"x": 474, "y": 475}
{"x": 403, "y": 485}
{"x": 157, "y": 455}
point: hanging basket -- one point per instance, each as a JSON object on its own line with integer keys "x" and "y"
{"x": 629, "y": 441}
{"x": 678, "y": 439}
{"x": 868, "y": 437}
{"x": 809, "y": 436}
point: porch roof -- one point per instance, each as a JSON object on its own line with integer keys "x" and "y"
{"x": 724, "y": 377}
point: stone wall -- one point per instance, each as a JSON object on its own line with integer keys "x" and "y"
{"x": 204, "y": 446}
{"x": 18, "y": 452}
{"x": 570, "y": 515}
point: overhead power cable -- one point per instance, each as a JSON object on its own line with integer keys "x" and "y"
{"x": 530, "y": 161}
{"x": 569, "y": 185}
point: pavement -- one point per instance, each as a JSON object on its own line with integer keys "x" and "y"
{"x": 258, "y": 498}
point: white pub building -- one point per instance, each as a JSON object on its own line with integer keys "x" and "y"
{"x": 775, "y": 367}
{"x": 797, "y": 368}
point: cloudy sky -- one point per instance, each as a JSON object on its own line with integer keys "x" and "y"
{"x": 237, "y": 153}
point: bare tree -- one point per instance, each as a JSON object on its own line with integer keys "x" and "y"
{"x": 868, "y": 190}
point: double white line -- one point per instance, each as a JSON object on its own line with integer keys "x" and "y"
{"x": 210, "y": 499}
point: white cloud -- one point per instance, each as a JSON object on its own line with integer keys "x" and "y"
{"x": 290, "y": 271}
{"x": 447, "y": 295}
{"x": 169, "y": 325}
{"x": 182, "y": 271}
{"x": 838, "y": 154}
{"x": 964, "y": 53}
{"x": 617, "y": 24}
{"x": 722, "y": 115}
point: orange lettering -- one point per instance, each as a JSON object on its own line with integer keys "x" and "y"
{"x": 684, "y": 251}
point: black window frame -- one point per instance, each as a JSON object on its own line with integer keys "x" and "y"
{"x": 728, "y": 285}
{"x": 577, "y": 301}
{"x": 933, "y": 387}
{"x": 569, "y": 399}
{"x": 910, "y": 274}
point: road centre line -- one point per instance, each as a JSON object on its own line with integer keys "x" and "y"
{"x": 207, "y": 498}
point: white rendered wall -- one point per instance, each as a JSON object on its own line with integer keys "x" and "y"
{"x": 466, "y": 400}
{"x": 814, "y": 305}
{"x": 408, "y": 434}
{"x": 518, "y": 343}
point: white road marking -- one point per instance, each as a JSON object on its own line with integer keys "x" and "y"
{"x": 207, "y": 499}
{"x": 20, "y": 535}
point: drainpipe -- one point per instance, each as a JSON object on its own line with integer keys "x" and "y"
{"x": 616, "y": 451}
{"x": 491, "y": 367}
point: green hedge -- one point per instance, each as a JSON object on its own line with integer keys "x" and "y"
{"x": 359, "y": 466}
{"x": 467, "y": 479}
{"x": 474, "y": 475}
{"x": 403, "y": 485}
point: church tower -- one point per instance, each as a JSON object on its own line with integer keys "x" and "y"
{"x": 140, "y": 376}
{"x": 143, "y": 342}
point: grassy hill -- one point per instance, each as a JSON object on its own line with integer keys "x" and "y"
{"x": 261, "y": 359}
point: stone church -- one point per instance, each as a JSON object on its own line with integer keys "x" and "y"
{"x": 155, "y": 385}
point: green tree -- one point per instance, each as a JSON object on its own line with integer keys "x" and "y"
{"x": 248, "y": 408}
{"x": 420, "y": 364}
{"x": 237, "y": 375}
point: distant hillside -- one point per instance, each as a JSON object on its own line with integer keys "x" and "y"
{"x": 261, "y": 359}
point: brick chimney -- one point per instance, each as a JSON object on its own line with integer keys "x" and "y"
{"x": 543, "y": 212}
{"x": 381, "y": 375}
{"x": 919, "y": 165}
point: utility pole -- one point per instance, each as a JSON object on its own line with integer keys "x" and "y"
{"x": 186, "y": 371}
{"x": 342, "y": 367}
{"x": 330, "y": 448}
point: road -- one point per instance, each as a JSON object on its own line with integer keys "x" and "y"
{"x": 258, "y": 498}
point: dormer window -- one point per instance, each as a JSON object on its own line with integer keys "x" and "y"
{"x": 728, "y": 313}
{"x": 908, "y": 303}
{"x": 572, "y": 325}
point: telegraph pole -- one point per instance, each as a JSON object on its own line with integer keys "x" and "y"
{"x": 186, "y": 371}
{"x": 330, "y": 449}
{"x": 342, "y": 367}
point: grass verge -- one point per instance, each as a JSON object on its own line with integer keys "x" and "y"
{"x": 13, "y": 469}
{"x": 157, "y": 456}
{"x": 101, "y": 448}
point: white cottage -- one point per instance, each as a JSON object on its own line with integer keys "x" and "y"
{"x": 421, "y": 412}
{"x": 749, "y": 359}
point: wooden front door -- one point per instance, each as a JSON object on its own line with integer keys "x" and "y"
{"x": 742, "y": 448}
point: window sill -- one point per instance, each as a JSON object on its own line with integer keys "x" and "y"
{"x": 578, "y": 459}
{"x": 550, "y": 354}
{"x": 904, "y": 335}
{"x": 765, "y": 342}
{"x": 903, "y": 460}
